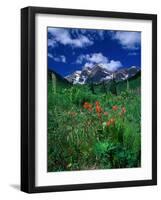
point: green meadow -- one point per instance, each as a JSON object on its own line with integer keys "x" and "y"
{"x": 94, "y": 126}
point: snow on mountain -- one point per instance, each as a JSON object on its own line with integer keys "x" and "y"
{"x": 98, "y": 74}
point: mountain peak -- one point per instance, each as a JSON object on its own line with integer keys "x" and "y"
{"x": 98, "y": 74}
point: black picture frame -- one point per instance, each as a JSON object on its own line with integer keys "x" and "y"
{"x": 28, "y": 98}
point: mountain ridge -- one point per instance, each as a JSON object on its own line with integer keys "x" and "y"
{"x": 97, "y": 74}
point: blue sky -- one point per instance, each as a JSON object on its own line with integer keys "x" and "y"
{"x": 71, "y": 49}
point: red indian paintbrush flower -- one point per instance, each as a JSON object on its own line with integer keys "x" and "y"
{"x": 110, "y": 122}
{"x": 97, "y": 103}
{"x": 114, "y": 108}
{"x": 105, "y": 113}
{"x": 87, "y": 106}
{"x": 123, "y": 110}
{"x": 98, "y": 107}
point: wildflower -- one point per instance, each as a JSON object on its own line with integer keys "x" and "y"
{"x": 73, "y": 114}
{"x": 106, "y": 113}
{"x": 97, "y": 103}
{"x": 99, "y": 111}
{"x": 87, "y": 106}
{"x": 104, "y": 125}
{"x": 98, "y": 107}
{"x": 114, "y": 108}
{"x": 69, "y": 165}
{"x": 123, "y": 110}
{"x": 110, "y": 122}
{"x": 99, "y": 115}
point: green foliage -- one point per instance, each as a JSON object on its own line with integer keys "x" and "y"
{"x": 94, "y": 135}
{"x": 133, "y": 83}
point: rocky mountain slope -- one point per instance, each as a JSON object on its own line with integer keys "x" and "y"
{"x": 98, "y": 74}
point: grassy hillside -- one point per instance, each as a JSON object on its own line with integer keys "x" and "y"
{"x": 134, "y": 83}
{"x": 89, "y": 130}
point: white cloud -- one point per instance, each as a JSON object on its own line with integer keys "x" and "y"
{"x": 80, "y": 59}
{"x": 128, "y": 40}
{"x": 94, "y": 58}
{"x": 92, "y": 34}
{"x": 51, "y": 43}
{"x": 60, "y": 58}
{"x": 97, "y": 58}
{"x": 63, "y": 58}
{"x": 88, "y": 65}
{"x": 64, "y": 37}
{"x": 132, "y": 54}
{"x": 89, "y": 60}
{"x": 101, "y": 34}
{"x": 50, "y": 55}
{"x": 113, "y": 65}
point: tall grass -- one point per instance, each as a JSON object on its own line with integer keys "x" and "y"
{"x": 92, "y": 131}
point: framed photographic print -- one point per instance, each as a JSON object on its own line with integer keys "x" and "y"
{"x": 88, "y": 99}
